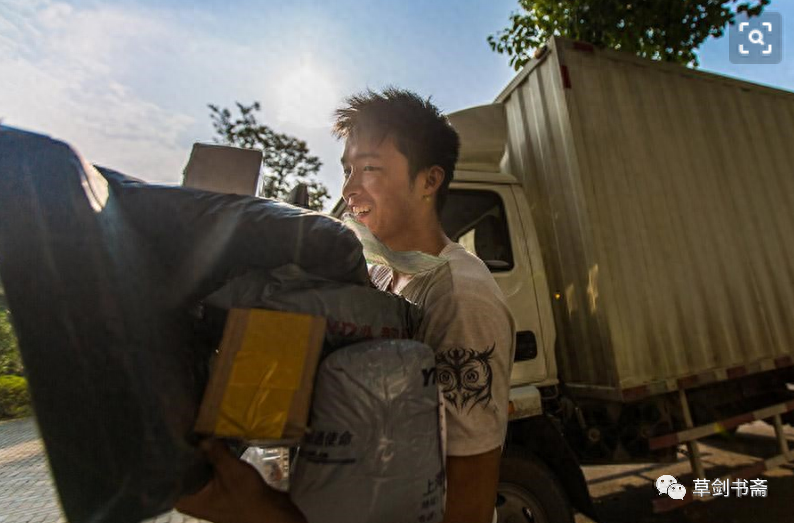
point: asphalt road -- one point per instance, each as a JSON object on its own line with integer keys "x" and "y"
{"x": 622, "y": 493}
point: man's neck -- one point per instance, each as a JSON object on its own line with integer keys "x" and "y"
{"x": 430, "y": 240}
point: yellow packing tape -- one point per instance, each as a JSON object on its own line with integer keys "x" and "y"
{"x": 269, "y": 380}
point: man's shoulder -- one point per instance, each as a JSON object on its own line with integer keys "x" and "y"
{"x": 464, "y": 262}
{"x": 466, "y": 276}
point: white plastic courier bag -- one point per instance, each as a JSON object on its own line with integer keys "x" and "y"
{"x": 374, "y": 450}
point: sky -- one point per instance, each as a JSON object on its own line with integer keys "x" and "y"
{"x": 128, "y": 83}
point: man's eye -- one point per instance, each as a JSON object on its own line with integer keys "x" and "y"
{"x": 347, "y": 171}
{"x": 370, "y": 168}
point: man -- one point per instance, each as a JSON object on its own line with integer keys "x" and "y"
{"x": 399, "y": 159}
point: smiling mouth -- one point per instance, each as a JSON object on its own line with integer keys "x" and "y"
{"x": 359, "y": 211}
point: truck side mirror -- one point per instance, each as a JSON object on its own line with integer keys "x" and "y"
{"x": 299, "y": 195}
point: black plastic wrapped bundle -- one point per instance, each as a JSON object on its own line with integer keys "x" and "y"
{"x": 100, "y": 271}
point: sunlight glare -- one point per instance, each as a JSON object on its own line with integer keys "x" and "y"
{"x": 307, "y": 95}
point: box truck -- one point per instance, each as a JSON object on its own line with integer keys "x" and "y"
{"x": 639, "y": 217}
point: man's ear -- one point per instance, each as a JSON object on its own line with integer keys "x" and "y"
{"x": 433, "y": 180}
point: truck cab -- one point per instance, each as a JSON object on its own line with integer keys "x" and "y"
{"x": 487, "y": 213}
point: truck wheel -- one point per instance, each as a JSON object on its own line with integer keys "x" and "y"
{"x": 529, "y": 492}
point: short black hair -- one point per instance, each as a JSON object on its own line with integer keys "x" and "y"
{"x": 419, "y": 129}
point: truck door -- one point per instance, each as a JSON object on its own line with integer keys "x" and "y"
{"x": 486, "y": 219}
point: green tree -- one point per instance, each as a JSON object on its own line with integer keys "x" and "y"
{"x": 14, "y": 396}
{"x": 286, "y": 159}
{"x": 669, "y": 30}
{"x": 10, "y": 360}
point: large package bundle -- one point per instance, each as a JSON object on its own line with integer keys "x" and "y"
{"x": 374, "y": 452}
{"x": 100, "y": 271}
{"x": 352, "y": 312}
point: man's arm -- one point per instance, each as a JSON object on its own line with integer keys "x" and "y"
{"x": 472, "y": 333}
{"x": 237, "y": 494}
{"x": 471, "y": 487}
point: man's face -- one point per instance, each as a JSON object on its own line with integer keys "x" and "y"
{"x": 378, "y": 189}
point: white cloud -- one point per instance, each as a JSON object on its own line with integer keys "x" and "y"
{"x": 128, "y": 86}
{"x": 62, "y": 68}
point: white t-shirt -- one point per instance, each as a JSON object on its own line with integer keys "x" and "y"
{"x": 468, "y": 324}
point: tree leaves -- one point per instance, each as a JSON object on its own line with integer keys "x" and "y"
{"x": 285, "y": 159}
{"x": 669, "y": 30}
{"x": 10, "y": 360}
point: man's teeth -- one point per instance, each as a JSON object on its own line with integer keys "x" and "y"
{"x": 360, "y": 209}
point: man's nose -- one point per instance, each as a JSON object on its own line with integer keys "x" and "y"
{"x": 351, "y": 186}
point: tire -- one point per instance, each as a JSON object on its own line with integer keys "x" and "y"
{"x": 529, "y": 492}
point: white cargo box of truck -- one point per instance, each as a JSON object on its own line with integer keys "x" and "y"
{"x": 663, "y": 200}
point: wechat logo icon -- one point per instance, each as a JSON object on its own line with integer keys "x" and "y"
{"x": 669, "y": 486}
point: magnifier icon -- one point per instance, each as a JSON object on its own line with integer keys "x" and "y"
{"x": 759, "y": 37}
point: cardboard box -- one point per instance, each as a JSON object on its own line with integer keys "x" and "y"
{"x": 261, "y": 380}
{"x": 223, "y": 169}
